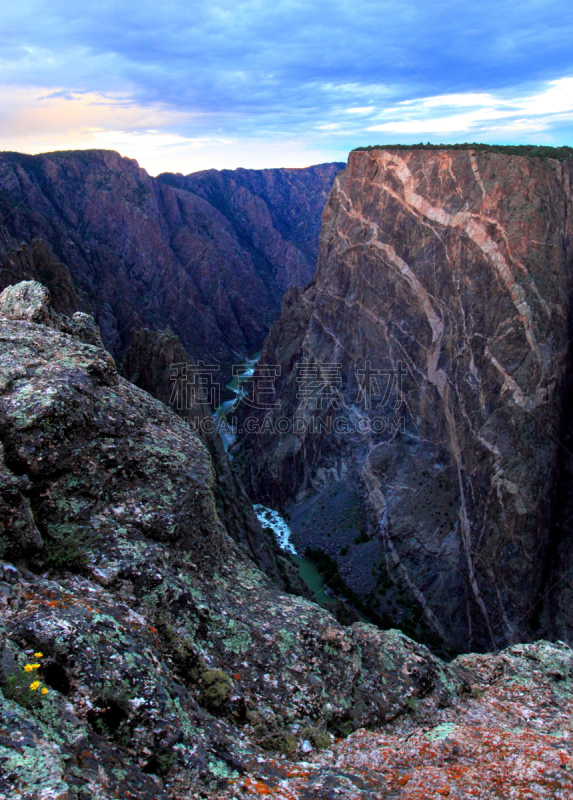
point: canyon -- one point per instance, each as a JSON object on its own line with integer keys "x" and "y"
{"x": 443, "y": 300}
{"x": 207, "y": 255}
{"x": 410, "y": 418}
{"x": 143, "y": 654}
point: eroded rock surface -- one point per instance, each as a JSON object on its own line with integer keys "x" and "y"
{"x": 454, "y": 268}
{"x": 510, "y": 738}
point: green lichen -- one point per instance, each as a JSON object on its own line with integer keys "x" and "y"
{"x": 287, "y": 642}
{"x": 440, "y": 731}
{"x": 33, "y": 770}
{"x": 236, "y": 637}
{"x": 220, "y": 770}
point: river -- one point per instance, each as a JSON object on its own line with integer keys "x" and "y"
{"x": 225, "y": 427}
{"x": 275, "y": 523}
{"x": 272, "y": 520}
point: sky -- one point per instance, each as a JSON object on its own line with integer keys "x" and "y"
{"x": 185, "y": 86}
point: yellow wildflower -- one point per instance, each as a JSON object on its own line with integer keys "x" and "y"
{"x": 44, "y": 690}
{"x": 34, "y": 685}
{"x": 30, "y": 667}
{"x": 38, "y": 655}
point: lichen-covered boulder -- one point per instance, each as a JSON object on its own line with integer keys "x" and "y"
{"x": 84, "y": 327}
{"x": 27, "y": 301}
{"x": 30, "y": 301}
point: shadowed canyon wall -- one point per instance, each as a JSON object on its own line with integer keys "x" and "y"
{"x": 155, "y": 252}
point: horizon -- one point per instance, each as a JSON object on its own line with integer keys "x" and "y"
{"x": 504, "y": 149}
{"x": 184, "y": 89}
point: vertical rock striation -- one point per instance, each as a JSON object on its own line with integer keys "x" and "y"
{"x": 455, "y": 268}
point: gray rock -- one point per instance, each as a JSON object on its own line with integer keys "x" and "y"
{"x": 30, "y": 301}
{"x": 27, "y": 301}
{"x": 84, "y": 327}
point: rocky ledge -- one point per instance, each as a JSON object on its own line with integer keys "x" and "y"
{"x": 144, "y": 655}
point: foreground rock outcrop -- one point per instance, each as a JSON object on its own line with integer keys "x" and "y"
{"x": 164, "y": 649}
{"x": 20, "y": 261}
{"x": 442, "y": 302}
{"x": 209, "y": 255}
{"x": 148, "y": 363}
{"x": 511, "y": 738}
{"x": 144, "y": 655}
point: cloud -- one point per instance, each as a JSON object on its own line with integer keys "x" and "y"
{"x": 54, "y": 121}
{"x": 288, "y": 72}
{"x": 529, "y": 112}
{"x": 363, "y": 110}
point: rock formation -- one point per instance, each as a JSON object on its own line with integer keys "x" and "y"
{"x": 443, "y": 295}
{"x": 486, "y": 746}
{"x": 148, "y": 363}
{"x": 20, "y": 261}
{"x": 144, "y": 655}
{"x": 152, "y": 252}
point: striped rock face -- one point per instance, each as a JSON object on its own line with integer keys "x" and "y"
{"x": 443, "y": 293}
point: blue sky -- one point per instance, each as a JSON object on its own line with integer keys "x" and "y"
{"x": 185, "y": 86}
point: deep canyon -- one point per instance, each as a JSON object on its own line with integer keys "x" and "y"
{"x": 414, "y": 313}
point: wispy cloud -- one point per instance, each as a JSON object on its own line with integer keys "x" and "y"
{"x": 533, "y": 112}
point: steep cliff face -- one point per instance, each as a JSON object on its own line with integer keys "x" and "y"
{"x": 147, "y": 252}
{"x": 275, "y": 212}
{"x": 34, "y": 261}
{"x": 443, "y": 292}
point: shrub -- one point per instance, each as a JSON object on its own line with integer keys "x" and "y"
{"x": 160, "y": 764}
{"x": 216, "y": 689}
{"x": 281, "y": 742}
{"x": 66, "y": 552}
{"x": 530, "y": 150}
{"x": 318, "y": 739}
{"x": 24, "y": 687}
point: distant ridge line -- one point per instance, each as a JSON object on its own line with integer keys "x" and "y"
{"x": 531, "y": 150}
